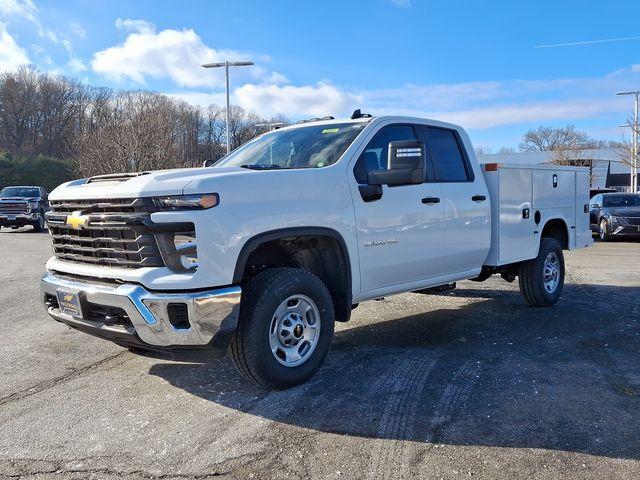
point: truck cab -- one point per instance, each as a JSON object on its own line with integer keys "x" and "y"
{"x": 261, "y": 253}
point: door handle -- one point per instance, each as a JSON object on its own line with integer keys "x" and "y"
{"x": 430, "y": 200}
{"x": 479, "y": 198}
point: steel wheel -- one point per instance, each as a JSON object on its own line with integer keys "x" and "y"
{"x": 551, "y": 272}
{"x": 295, "y": 330}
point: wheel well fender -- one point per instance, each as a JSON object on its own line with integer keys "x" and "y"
{"x": 556, "y": 228}
{"x": 320, "y": 250}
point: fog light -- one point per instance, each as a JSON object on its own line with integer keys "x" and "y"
{"x": 187, "y": 248}
{"x": 179, "y": 251}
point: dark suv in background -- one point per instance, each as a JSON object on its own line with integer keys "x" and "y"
{"x": 20, "y": 206}
{"x": 615, "y": 215}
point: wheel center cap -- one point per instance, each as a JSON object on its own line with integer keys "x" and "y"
{"x": 298, "y": 331}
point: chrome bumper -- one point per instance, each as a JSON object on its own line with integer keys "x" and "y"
{"x": 213, "y": 314}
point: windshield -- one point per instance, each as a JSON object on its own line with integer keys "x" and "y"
{"x": 19, "y": 192}
{"x": 305, "y": 147}
{"x": 621, "y": 201}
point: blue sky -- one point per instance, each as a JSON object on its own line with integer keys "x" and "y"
{"x": 496, "y": 67}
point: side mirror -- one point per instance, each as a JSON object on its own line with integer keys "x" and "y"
{"x": 406, "y": 165}
{"x": 208, "y": 162}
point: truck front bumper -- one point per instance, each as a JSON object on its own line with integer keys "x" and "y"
{"x": 130, "y": 315}
{"x": 18, "y": 219}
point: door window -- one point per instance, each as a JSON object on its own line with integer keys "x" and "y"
{"x": 375, "y": 156}
{"x": 449, "y": 163}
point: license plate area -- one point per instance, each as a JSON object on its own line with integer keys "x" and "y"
{"x": 69, "y": 303}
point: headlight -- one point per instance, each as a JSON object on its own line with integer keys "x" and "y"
{"x": 33, "y": 205}
{"x": 179, "y": 251}
{"x": 187, "y": 202}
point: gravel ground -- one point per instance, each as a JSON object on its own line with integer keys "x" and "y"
{"x": 470, "y": 383}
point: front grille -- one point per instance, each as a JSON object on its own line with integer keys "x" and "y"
{"x": 14, "y": 207}
{"x": 632, "y": 220}
{"x": 115, "y": 233}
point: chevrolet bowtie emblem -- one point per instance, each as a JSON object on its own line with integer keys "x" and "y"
{"x": 76, "y": 220}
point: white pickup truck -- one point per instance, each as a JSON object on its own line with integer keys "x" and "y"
{"x": 261, "y": 253}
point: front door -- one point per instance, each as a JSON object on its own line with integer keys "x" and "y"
{"x": 400, "y": 235}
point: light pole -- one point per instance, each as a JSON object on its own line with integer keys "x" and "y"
{"x": 226, "y": 64}
{"x": 634, "y": 136}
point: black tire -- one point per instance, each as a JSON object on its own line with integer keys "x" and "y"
{"x": 250, "y": 347}
{"x": 531, "y": 276}
{"x": 39, "y": 227}
{"x": 603, "y": 231}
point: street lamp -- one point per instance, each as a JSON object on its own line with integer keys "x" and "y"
{"x": 226, "y": 65}
{"x": 634, "y": 134}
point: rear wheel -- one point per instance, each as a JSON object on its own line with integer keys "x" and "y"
{"x": 542, "y": 278}
{"x": 285, "y": 327}
{"x": 604, "y": 230}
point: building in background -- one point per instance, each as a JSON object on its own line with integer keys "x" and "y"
{"x": 607, "y": 170}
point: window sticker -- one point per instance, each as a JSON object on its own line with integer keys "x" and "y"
{"x": 331, "y": 130}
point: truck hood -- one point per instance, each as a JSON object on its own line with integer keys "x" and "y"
{"x": 144, "y": 184}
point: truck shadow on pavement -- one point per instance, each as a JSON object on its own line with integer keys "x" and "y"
{"x": 486, "y": 373}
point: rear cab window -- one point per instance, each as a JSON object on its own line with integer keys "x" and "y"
{"x": 447, "y": 155}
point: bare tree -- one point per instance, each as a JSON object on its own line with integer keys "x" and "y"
{"x": 483, "y": 151}
{"x": 567, "y": 144}
{"x": 102, "y": 131}
{"x": 18, "y": 109}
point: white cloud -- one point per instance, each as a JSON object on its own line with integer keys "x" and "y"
{"x": 475, "y": 105}
{"x": 76, "y": 65}
{"x": 295, "y": 101}
{"x": 139, "y": 26}
{"x": 41, "y": 53}
{"x": 173, "y": 54}
{"x": 78, "y": 30}
{"x": 17, "y": 8}
{"x": 68, "y": 45}
{"x": 48, "y": 34}
{"x": 12, "y": 55}
{"x": 509, "y": 114}
{"x": 200, "y": 99}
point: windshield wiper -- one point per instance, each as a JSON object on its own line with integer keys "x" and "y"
{"x": 256, "y": 166}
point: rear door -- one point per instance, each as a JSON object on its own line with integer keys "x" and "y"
{"x": 467, "y": 211}
{"x": 400, "y": 237}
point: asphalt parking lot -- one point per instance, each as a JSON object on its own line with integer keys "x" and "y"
{"x": 467, "y": 384}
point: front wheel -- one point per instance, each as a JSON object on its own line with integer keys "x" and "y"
{"x": 604, "y": 230}
{"x": 542, "y": 278}
{"x": 39, "y": 225}
{"x": 285, "y": 328}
